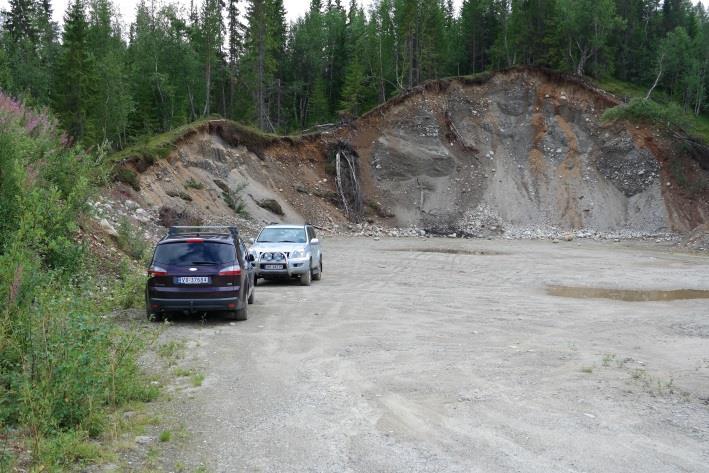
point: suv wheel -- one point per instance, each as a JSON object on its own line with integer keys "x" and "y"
{"x": 306, "y": 277}
{"x": 318, "y": 276}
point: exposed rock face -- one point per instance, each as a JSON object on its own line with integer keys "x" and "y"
{"x": 521, "y": 153}
{"x": 517, "y": 152}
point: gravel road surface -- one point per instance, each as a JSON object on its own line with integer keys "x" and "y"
{"x": 441, "y": 355}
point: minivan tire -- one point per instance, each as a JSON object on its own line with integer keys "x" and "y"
{"x": 239, "y": 315}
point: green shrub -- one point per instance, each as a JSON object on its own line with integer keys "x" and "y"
{"x": 128, "y": 290}
{"x": 67, "y": 449}
{"x": 131, "y": 240}
{"x": 63, "y": 367}
{"x": 192, "y": 184}
{"x": 639, "y": 110}
{"x": 127, "y": 176}
{"x": 235, "y": 200}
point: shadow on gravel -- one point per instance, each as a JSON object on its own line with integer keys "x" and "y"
{"x": 626, "y": 295}
{"x": 279, "y": 282}
{"x": 211, "y": 319}
{"x": 447, "y": 251}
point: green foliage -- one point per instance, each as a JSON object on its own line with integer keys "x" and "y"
{"x": 197, "y": 379}
{"x": 62, "y": 366}
{"x": 131, "y": 241}
{"x": 127, "y": 176}
{"x": 639, "y": 110}
{"x": 114, "y": 87}
{"x": 235, "y": 200}
{"x": 695, "y": 125}
{"x": 67, "y": 449}
{"x": 193, "y": 184}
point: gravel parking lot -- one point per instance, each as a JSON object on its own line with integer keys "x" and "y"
{"x": 441, "y": 355}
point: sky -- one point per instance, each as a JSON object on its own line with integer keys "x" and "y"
{"x": 294, "y": 8}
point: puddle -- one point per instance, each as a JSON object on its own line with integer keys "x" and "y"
{"x": 448, "y": 251}
{"x": 627, "y": 295}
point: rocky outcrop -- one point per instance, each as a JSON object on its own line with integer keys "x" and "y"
{"x": 522, "y": 152}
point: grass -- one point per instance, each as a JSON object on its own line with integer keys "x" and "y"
{"x": 235, "y": 200}
{"x": 181, "y": 194}
{"x": 587, "y": 369}
{"x": 182, "y": 372}
{"x": 69, "y": 449}
{"x": 147, "y": 150}
{"x": 197, "y": 379}
{"x": 660, "y": 109}
{"x": 152, "y": 148}
{"x": 193, "y": 184}
{"x": 171, "y": 351}
{"x": 165, "y": 436}
{"x": 131, "y": 240}
{"x": 157, "y": 146}
{"x": 608, "y": 359}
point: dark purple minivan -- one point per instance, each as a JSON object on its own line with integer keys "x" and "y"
{"x": 199, "y": 270}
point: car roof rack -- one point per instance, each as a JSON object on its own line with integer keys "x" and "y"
{"x": 179, "y": 231}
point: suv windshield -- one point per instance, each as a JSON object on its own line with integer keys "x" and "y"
{"x": 177, "y": 254}
{"x": 282, "y": 235}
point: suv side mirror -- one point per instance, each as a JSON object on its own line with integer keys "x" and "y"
{"x": 314, "y": 241}
{"x": 250, "y": 258}
{"x": 252, "y": 241}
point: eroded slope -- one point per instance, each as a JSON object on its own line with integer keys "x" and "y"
{"x": 523, "y": 152}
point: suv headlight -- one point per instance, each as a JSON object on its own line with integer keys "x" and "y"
{"x": 297, "y": 254}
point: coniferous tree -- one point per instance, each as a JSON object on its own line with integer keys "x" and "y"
{"x": 73, "y": 78}
{"x": 211, "y": 34}
{"x": 110, "y": 102}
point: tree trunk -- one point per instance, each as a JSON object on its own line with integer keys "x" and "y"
{"x": 261, "y": 105}
{"x": 208, "y": 88}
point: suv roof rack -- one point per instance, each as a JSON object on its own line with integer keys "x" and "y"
{"x": 203, "y": 231}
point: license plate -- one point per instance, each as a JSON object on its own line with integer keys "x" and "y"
{"x": 193, "y": 280}
{"x": 273, "y": 266}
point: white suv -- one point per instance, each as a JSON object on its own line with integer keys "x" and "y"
{"x": 288, "y": 251}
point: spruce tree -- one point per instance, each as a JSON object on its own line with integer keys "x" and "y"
{"x": 73, "y": 78}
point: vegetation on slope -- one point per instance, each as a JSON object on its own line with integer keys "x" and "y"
{"x": 659, "y": 110}
{"x": 62, "y": 367}
{"x": 179, "y": 66}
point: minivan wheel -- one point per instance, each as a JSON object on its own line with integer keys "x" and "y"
{"x": 152, "y": 316}
{"x": 239, "y": 315}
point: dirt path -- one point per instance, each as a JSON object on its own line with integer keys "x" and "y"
{"x": 435, "y": 361}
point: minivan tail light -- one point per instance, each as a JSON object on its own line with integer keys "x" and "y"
{"x": 155, "y": 271}
{"x": 230, "y": 271}
{"x": 195, "y": 240}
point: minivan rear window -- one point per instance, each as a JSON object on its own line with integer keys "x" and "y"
{"x": 177, "y": 254}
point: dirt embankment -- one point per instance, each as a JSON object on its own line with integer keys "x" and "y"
{"x": 522, "y": 152}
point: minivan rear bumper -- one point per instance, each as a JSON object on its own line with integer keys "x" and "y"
{"x": 194, "y": 305}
